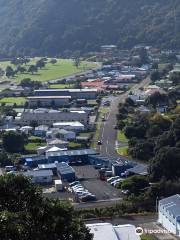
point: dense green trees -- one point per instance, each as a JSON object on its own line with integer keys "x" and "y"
{"x": 27, "y": 82}
{"x": 135, "y": 184}
{"x": 13, "y": 142}
{"x": 25, "y": 214}
{"x": 44, "y": 27}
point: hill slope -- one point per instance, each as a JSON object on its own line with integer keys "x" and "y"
{"x": 52, "y": 26}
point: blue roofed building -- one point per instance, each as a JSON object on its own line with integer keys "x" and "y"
{"x": 169, "y": 214}
{"x": 71, "y": 156}
{"x": 65, "y": 172}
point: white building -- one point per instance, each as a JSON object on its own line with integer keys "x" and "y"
{"x": 73, "y": 126}
{"x": 47, "y": 116}
{"x": 169, "y": 214}
{"x": 40, "y": 176}
{"x": 106, "y": 231}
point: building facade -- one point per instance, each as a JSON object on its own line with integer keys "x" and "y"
{"x": 169, "y": 214}
{"x": 48, "y": 117}
{"x": 49, "y": 101}
{"x": 73, "y": 93}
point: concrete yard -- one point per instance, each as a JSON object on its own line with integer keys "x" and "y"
{"x": 86, "y": 172}
{"x": 102, "y": 190}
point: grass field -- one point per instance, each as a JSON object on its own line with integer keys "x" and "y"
{"x": 121, "y": 137}
{"x": 147, "y": 237}
{"x": 59, "y": 86}
{"x": 33, "y": 146}
{"x": 123, "y": 151}
{"x": 62, "y": 68}
{"x": 19, "y": 101}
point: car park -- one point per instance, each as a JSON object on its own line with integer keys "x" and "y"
{"x": 81, "y": 193}
{"x": 74, "y": 183}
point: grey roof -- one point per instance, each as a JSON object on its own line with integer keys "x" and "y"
{"x": 47, "y": 166}
{"x": 75, "y": 152}
{"x": 64, "y": 168}
{"x": 139, "y": 169}
{"x": 172, "y": 205}
{"x": 39, "y": 173}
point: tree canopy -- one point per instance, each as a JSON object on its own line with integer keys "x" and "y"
{"x": 25, "y": 214}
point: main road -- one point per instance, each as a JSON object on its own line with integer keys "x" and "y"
{"x": 108, "y": 135}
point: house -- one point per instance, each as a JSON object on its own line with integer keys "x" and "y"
{"x": 72, "y": 126}
{"x": 41, "y": 131}
{"x": 40, "y": 176}
{"x": 67, "y": 135}
{"x": 169, "y": 214}
{"x": 106, "y": 231}
{"x": 58, "y": 143}
{"x": 26, "y": 129}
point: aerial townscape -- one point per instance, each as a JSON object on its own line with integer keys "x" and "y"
{"x": 90, "y": 120}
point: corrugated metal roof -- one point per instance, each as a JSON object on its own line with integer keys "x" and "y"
{"x": 172, "y": 204}
{"x": 73, "y": 153}
{"x": 39, "y": 173}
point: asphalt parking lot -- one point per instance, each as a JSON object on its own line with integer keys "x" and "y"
{"x": 86, "y": 172}
{"x": 102, "y": 190}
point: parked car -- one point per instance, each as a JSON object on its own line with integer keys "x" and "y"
{"x": 99, "y": 142}
{"x": 111, "y": 179}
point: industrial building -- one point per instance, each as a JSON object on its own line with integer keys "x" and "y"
{"x": 40, "y": 176}
{"x": 106, "y": 231}
{"x": 57, "y": 155}
{"x": 49, "y": 101}
{"x": 65, "y": 172}
{"x": 118, "y": 165}
{"x": 169, "y": 214}
{"x": 44, "y": 116}
{"x": 73, "y": 93}
{"x": 72, "y": 156}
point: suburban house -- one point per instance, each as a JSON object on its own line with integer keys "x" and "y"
{"x": 169, "y": 214}
{"x": 41, "y": 131}
{"x": 72, "y": 126}
{"x": 67, "y": 135}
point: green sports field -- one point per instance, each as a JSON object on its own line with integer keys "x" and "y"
{"x": 62, "y": 68}
{"x": 19, "y": 101}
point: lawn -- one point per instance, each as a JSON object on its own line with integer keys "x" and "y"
{"x": 123, "y": 151}
{"x": 59, "y": 86}
{"x": 121, "y": 136}
{"x": 147, "y": 237}
{"x": 19, "y": 101}
{"x": 32, "y": 146}
{"x": 62, "y": 68}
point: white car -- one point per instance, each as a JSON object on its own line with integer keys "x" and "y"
{"x": 115, "y": 181}
{"x": 109, "y": 180}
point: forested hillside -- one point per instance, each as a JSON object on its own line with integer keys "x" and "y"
{"x": 53, "y": 26}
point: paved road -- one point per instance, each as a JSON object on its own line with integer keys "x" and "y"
{"x": 108, "y": 134}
